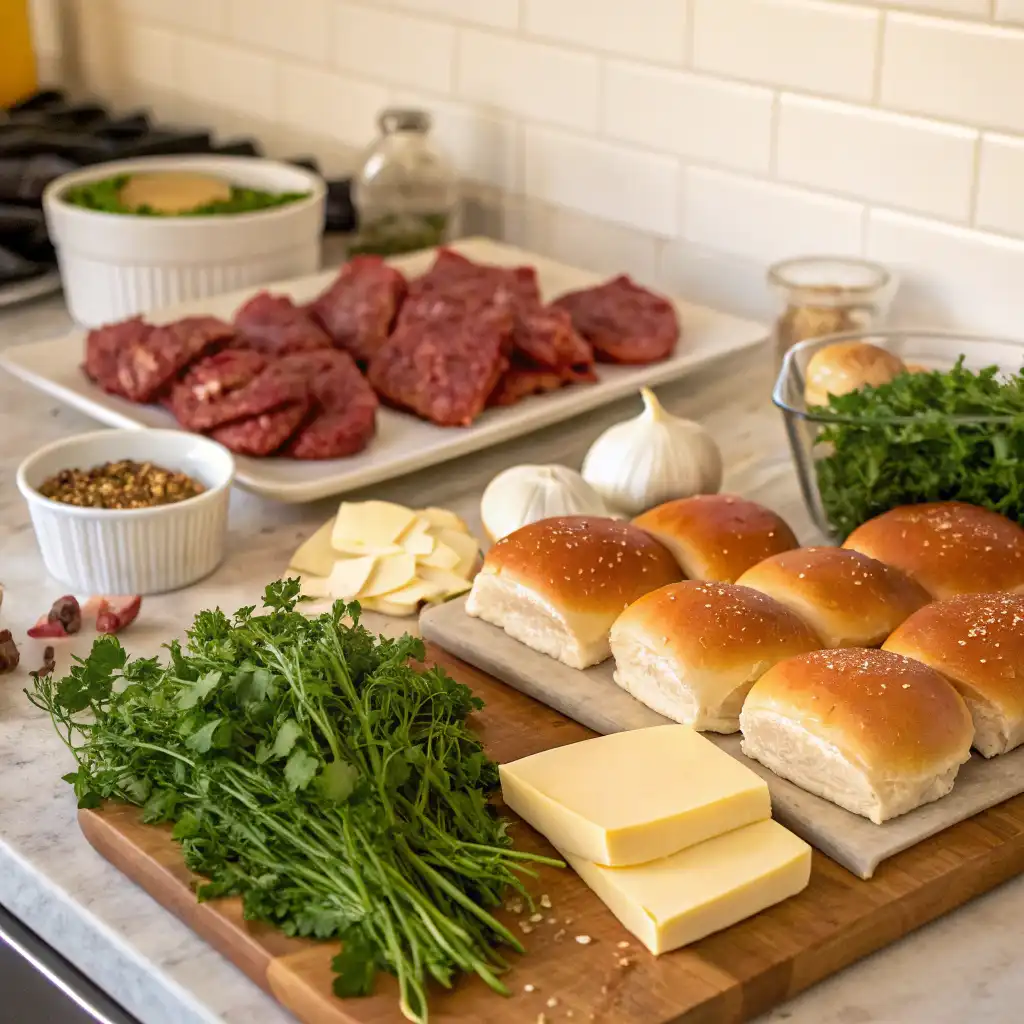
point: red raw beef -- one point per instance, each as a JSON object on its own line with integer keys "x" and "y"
{"x": 546, "y": 338}
{"x": 103, "y": 348}
{"x": 445, "y": 371}
{"x": 519, "y": 382}
{"x": 358, "y": 309}
{"x": 233, "y": 385}
{"x": 275, "y": 326}
{"x": 623, "y": 322}
{"x": 153, "y": 359}
{"x": 344, "y": 414}
{"x": 263, "y": 434}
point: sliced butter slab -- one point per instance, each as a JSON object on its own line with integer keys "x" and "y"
{"x": 635, "y": 796}
{"x": 682, "y": 898}
{"x": 464, "y": 546}
{"x": 370, "y": 527}
{"x": 391, "y": 572}
{"x": 442, "y": 557}
{"x": 418, "y": 539}
{"x": 446, "y": 583}
{"x": 441, "y": 518}
{"x": 315, "y": 556}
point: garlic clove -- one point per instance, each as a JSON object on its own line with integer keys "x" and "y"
{"x": 522, "y": 495}
{"x": 652, "y": 458}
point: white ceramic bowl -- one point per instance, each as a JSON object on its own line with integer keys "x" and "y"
{"x": 131, "y": 551}
{"x": 115, "y": 265}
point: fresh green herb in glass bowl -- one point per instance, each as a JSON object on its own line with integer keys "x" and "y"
{"x": 953, "y": 433}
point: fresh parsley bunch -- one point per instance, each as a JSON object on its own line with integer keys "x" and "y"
{"x": 875, "y": 464}
{"x": 312, "y": 770}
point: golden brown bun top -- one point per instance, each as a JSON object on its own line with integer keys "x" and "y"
{"x": 715, "y": 626}
{"x": 586, "y": 564}
{"x": 949, "y": 547}
{"x": 840, "y": 593}
{"x": 882, "y": 711}
{"x": 717, "y": 536}
{"x": 848, "y": 366}
{"x": 977, "y": 640}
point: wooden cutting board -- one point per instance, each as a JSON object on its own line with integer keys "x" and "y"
{"x": 729, "y": 977}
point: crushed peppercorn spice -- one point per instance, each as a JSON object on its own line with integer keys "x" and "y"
{"x": 124, "y": 484}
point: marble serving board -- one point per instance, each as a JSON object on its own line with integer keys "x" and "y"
{"x": 593, "y": 699}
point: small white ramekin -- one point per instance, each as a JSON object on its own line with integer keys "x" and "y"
{"x": 116, "y": 265}
{"x": 131, "y": 551}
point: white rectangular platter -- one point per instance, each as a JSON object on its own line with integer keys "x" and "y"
{"x": 403, "y": 443}
{"x": 593, "y": 699}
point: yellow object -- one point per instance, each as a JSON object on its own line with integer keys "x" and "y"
{"x": 316, "y": 556}
{"x": 390, "y": 573}
{"x": 346, "y": 580}
{"x": 442, "y": 557}
{"x": 17, "y": 57}
{"x": 173, "y": 191}
{"x": 441, "y": 518}
{"x": 464, "y": 546}
{"x": 371, "y": 527}
{"x": 448, "y": 583}
{"x": 418, "y": 539}
{"x": 634, "y": 796}
{"x": 680, "y": 899}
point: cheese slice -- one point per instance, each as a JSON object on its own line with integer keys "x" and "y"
{"x": 441, "y": 518}
{"x": 442, "y": 557}
{"x": 634, "y": 796}
{"x": 370, "y": 527}
{"x": 316, "y": 557}
{"x": 347, "y": 579}
{"x": 392, "y": 608}
{"x": 682, "y": 898}
{"x": 464, "y": 546}
{"x": 390, "y": 573}
{"x": 447, "y": 583}
{"x": 418, "y": 539}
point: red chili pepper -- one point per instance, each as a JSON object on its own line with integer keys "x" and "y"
{"x": 114, "y": 613}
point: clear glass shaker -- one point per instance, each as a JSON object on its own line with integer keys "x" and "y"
{"x": 820, "y": 295}
{"x": 405, "y": 193}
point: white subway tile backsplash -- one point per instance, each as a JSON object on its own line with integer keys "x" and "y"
{"x": 229, "y": 77}
{"x": 151, "y": 55}
{"x": 968, "y": 8}
{"x": 652, "y": 30}
{"x": 325, "y": 103}
{"x": 610, "y": 182}
{"x": 886, "y": 158}
{"x": 204, "y": 17}
{"x": 394, "y": 48}
{"x": 765, "y": 221}
{"x": 532, "y": 80}
{"x": 962, "y": 278}
{"x": 493, "y": 13}
{"x": 956, "y": 70}
{"x": 800, "y": 44}
{"x": 692, "y": 115}
{"x": 47, "y": 31}
{"x": 304, "y": 33}
{"x": 1000, "y": 195}
{"x": 1010, "y": 10}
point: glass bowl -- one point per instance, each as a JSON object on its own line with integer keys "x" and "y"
{"x": 929, "y": 349}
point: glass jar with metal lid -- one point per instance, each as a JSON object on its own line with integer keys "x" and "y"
{"x": 405, "y": 192}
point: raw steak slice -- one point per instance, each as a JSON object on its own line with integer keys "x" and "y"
{"x": 444, "y": 371}
{"x": 103, "y": 348}
{"x": 623, "y": 322}
{"x": 148, "y": 365}
{"x": 358, "y": 309}
{"x": 546, "y": 338}
{"x": 519, "y": 382}
{"x": 344, "y": 414}
{"x": 263, "y": 434}
{"x": 275, "y": 326}
{"x": 234, "y": 385}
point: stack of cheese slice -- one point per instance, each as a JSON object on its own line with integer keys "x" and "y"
{"x": 388, "y": 557}
{"x": 673, "y": 834}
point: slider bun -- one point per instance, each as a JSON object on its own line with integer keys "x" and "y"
{"x": 717, "y": 536}
{"x": 871, "y": 731}
{"x": 977, "y": 642}
{"x": 848, "y": 366}
{"x": 557, "y": 585}
{"x": 848, "y": 599}
{"x": 691, "y": 650}
{"x": 949, "y": 547}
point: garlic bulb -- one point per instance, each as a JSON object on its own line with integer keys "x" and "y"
{"x": 654, "y": 458}
{"x": 524, "y": 494}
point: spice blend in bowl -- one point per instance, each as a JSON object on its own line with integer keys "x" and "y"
{"x": 122, "y": 484}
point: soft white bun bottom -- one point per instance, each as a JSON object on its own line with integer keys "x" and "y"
{"x": 792, "y": 752}
{"x": 994, "y": 733}
{"x": 531, "y": 620}
{"x": 663, "y": 684}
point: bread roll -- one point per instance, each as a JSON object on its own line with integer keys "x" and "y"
{"x": 557, "y": 585}
{"x": 691, "y": 651}
{"x": 949, "y": 547}
{"x": 848, "y": 599}
{"x": 977, "y": 642}
{"x": 717, "y": 536}
{"x": 848, "y": 366}
{"x": 871, "y": 731}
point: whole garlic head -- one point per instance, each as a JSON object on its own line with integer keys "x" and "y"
{"x": 653, "y": 458}
{"x": 525, "y": 494}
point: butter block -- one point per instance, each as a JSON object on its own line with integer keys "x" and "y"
{"x": 701, "y": 890}
{"x": 635, "y": 796}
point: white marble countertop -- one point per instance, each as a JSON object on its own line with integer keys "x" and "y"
{"x": 962, "y": 967}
